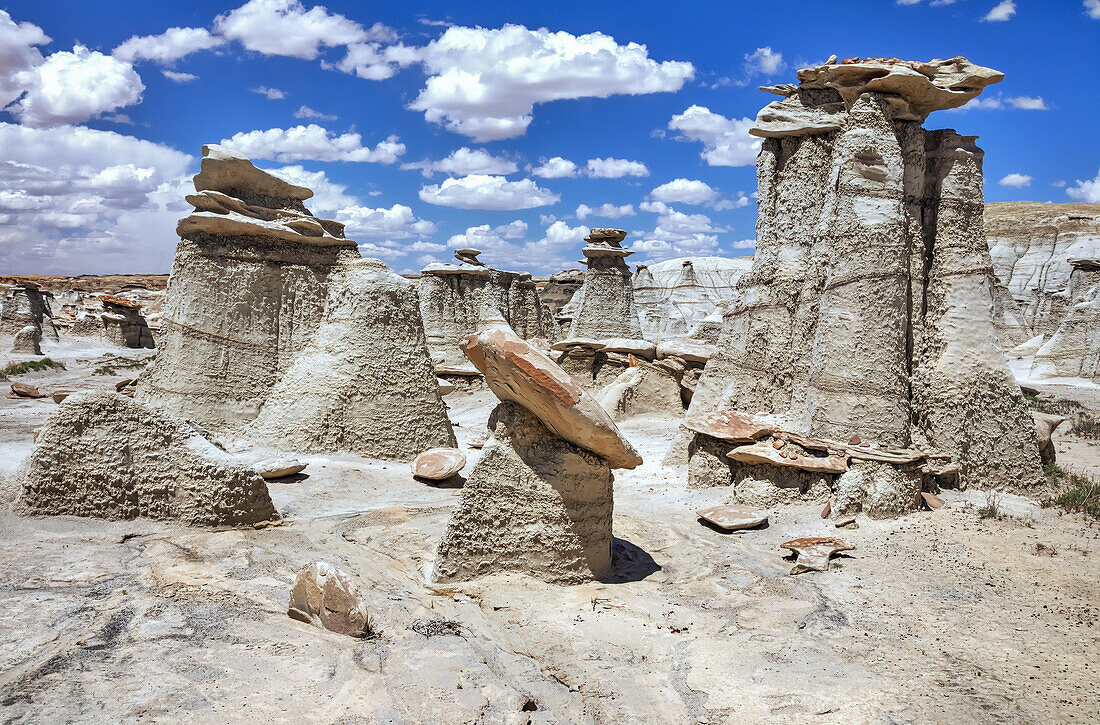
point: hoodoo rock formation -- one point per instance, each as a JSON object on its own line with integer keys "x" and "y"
{"x": 459, "y": 300}
{"x": 674, "y": 297}
{"x": 25, "y": 304}
{"x": 559, "y": 291}
{"x": 867, "y": 313}
{"x": 246, "y": 293}
{"x": 364, "y": 384}
{"x": 604, "y": 305}
{"x": 103, "y": 455}
{"x": 539, "y": 501}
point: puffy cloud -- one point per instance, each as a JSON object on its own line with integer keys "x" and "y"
{"x": 312, "y": 143}
{"x": 481, "y": 191}
{"x": 485, "y": 83}
{"x": 555, "y": 168}
{"x": 1088, "y": 190}
{"x": 17, "y": 54}
{"x": 610, "y": 168}
{"x": 466, "y": 161}
{"x": 1017, "y": 181}
{"x": 71, "y": 207}
{"x": 169, "y": 46}
{"x": 606, "y": 211}
{"x": 504, "y": 246}
{"x": 307, "y": 112}
{"x": 1001, "y": 11}
{"x": 285, "y": 27}
{"x": 397, "y": 222}
{"x": 178, "y": 77}
{"x": 328, "y": 196}
{"x": 272, "y": 94}
{"x": 1092, "y": 8}
{"x": 677, "y": 234}
{"x": 1027, "y": 103}
{"x": 764, "y": 61}
{"x": 373, "y": 62}
{"x": 73, "y": 87}
{"x": 996, "y": 102}
{"x": 726, "y": 141}
{"x": 684, "y": 191}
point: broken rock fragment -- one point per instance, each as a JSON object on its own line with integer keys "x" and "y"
{"x": 278, "y": 467}
{"x": 813, "y": 552}
{"x": 733, "y": 517}
{"x": 438, "y": 464}
{"x": 327, "y": 597}
{"x": 22, "y": 390}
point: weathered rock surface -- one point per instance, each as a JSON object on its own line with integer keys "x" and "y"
{"x": 534, "y": 504}
{"x": 104, "y": 455}
{"x": 246, "y": 293}
{"x": 22, "y": 390}
{"x": 868, "y": 308}
{"x": 557, "y": 293}
{"x": 518, "y": 373}
{"x": 813, "y": 552}
{"x": 642, "y": 389}
{"x": 271, "y": 468}
{"x": 438, "y": 464}
{"x": 732, "y": 517}
{"x": 24, "y": 303}
{"x": 604, "y": 305}
{"x": 879, "y": 490}
{"x": 459, "y": 300}
{"x": 327, "y": 597}
{"x": 28, "y": 341}
{"x": 1045, "y": 425}
{"x": 675, "y": 296}
{"x": 364, "y": 384}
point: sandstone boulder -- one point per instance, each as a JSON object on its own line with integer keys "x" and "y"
{"x": 813, "y": 552}
{"x": 518, "y": 373}
{"x": 327, "y": 597}
{"x": 28, "y": 341}
{"x": 1045, "y": 425}
{"x": 23, "y": 390}
{"x": 732, "y": 517}
{"x": 438, "y": 464}
{"x": 272, "y": 468}
{"x": 103, "y": 455}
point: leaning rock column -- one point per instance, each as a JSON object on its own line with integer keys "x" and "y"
{"x": 539, "y": 501}
{"x": 606, "y": 307}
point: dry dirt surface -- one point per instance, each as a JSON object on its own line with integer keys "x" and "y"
{"x": 936, "y": 617}
{"x": 89, "y": 282}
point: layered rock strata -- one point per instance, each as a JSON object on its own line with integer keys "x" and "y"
{"x": 104, "y": 455}
{"x": 25, "y": 304}
{"x": 459, "y": 300}
{"x": 1073, "y": 350}
{"x": 539, "y": 500}
{"x": 364, "y": 384}
{"x": 558, "y": 292}
{"x": 246, "y": 293}
{"x": 676, "y": 296}
{"x": 868, "y": 310}
{"x": 604, "y": 305}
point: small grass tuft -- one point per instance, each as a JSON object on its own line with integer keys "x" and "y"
{"x": 992, "y": 507}
{"x": 122, "y": 363}
{"x": 33, "y": 366}
{"x": 1083, "y": 495}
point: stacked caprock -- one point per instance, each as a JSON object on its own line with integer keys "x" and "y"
{"x": 866, "y": 317}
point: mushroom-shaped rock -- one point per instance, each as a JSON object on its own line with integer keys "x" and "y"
{"x": 691, "y": 351}
{"x": 813, "y": 552}
{"x": 278, "y": 467}
{"x": 762, "y": 453}
{"x": 469, "y": 256}
{"x": 1045, "y": 425}
{"x": 733, "y": 517}
{"x": 729, "y": 426}
{"x": 438, "y": 464}
{"x": 639, "y": 348}
{"x": 327, "y": 597}
{"x": 519, "y": 373}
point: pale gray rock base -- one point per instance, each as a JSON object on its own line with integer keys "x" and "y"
{"x": 876, "y": 489}
{"x": 104, "y": 455}
{"x": 533, "y": 504}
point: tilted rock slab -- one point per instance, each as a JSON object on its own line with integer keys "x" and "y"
{"x": 539, "y": 500}
{"x": 103, "y": 455}
{"x": 246, "y": 293}
{"x": 364, "y": 384}
{"x": 868, "y": 308}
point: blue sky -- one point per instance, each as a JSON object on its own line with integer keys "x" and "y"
{"x": 509, "y": 126}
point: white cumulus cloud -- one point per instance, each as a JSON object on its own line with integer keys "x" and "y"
{"x": 169, "y": 46}
{"x": 1017, "y": 181}
{"x": 312, "y": 142}
{"x": 307, "y": 112}
{"x": 555, "y": 168}
{"x": 465, "y": 161}
{"x": 1092, "y": 9}
{"x": 482, "y": 191}
{"x": 1001, "y": 11}
{"x": 285, "y": 27}
{"x": 605, "y": 211}
{"x": 178, "y": 76}
{"x": 17, "y": 54}
{"x": 70, "y": 87}
{"x": 610, "y": 168}
{"x": 485, "y": 83}
{"x": 272, "y": 94}
{"x": 684, "y": 191}
{"x": 397, "y": 222}
{"x": 1088, "y": 190}
{"x": 726, "y": 141}
{"x": 764, "y": 61}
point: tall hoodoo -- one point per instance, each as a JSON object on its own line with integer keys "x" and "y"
{"x": 457, "y": 300}
{"x": 604, "y": 305}
{"x": 246, "y": 293}
{"x": 868, "y": 310}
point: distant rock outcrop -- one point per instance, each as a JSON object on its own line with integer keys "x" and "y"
{"x": 559, "y": 290}
{"x": 673, "y": 297}
{"x": 246, "y": 294}
{"x": 867, "y": 313}
{"x": 25, "y": 304}
{"x": 459, "y": 300}
{"x": 604, "y": 306}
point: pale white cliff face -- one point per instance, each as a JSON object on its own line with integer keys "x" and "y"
{"x": 673, "y": 300}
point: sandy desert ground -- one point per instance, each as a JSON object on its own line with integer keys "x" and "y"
{"x": 940, "y": 616}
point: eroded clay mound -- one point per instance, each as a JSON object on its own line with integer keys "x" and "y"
{"x": 104, "y": 455}
{"x": 364, "y": 384}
